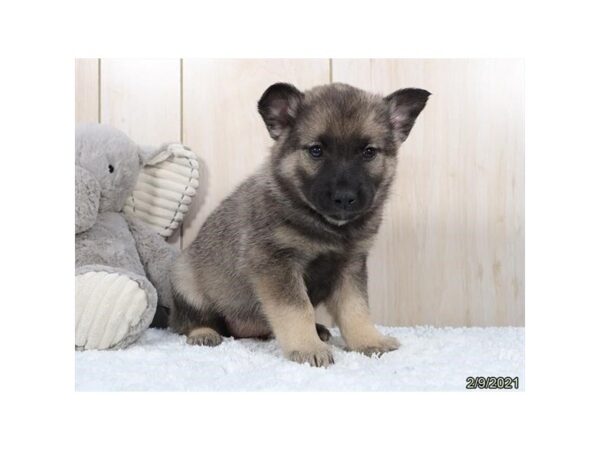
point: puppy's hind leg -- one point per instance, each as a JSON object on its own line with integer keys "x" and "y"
{"x": 193, "y": 313}
{"x": 202, "y": 326}
{"x": 204, "y": 336}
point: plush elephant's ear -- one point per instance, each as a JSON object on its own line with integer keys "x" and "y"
{"x": 170, "y": 177}
{"x": 151, "y": 155}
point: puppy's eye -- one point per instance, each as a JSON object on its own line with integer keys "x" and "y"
{"x": 369, "y": 153}
{"x": 111, "y": 169}
{"x": 315, "y": 151}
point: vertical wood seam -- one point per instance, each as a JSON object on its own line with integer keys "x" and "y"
{"x": 181, "y": 134}
{"x": 99, "y": 90}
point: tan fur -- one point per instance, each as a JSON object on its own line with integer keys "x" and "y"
{"x": 185, "y": 280}
{"x": 202, "y": 331}
{"x": 380, "y": 167}
{"x": 292, "y": 319}
{"x": 289, "y": 164}
{"x": 285, "y": 235}
{"x": 350, "y": 310}
{"x": 204, "y": 336}
{"x": 298, "y": 160}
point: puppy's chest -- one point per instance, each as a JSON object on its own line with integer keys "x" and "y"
{"x": 324, "y": 258}
{"x": 322, "y": 274}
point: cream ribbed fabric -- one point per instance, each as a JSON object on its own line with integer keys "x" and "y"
{"x": 108, "y": 305}
{"x": 164, "y": 190}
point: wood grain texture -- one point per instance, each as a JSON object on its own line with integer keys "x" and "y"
{"x": 142, "y": 98}
{"x": 451, "y": 249}
{"x": 86, "y": 90}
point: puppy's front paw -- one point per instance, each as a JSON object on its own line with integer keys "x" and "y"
{"x": 382, "y": 345}
{"x": 204, "y": 336}
{"x": 319, "y": 357}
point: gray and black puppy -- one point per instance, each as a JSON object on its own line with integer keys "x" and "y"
{"x": 298, "y": 231}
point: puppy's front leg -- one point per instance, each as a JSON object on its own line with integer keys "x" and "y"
{"x": 292, "y": 317}
{"x": 350, "y": 309}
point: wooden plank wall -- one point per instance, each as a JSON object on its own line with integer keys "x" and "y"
{"x": 451, "y": 249}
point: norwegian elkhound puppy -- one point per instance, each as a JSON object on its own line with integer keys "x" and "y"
{"x": 297, "y": 233}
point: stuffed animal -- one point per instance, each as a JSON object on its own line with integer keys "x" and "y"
{"x": 127, "y": 200}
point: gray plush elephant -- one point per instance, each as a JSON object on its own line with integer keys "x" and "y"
{"x": 122, "y": 258}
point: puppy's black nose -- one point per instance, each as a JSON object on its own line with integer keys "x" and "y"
{"x": 344, "y": 199}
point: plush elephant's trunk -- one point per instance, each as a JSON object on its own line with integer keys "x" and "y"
{"x": 87, "y": 199}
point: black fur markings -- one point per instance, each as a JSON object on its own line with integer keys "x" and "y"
{"x": 185, "y": 317}
{"x": 278, "y": 107}
{"x": 405, "y": 105}
{"x": 321, "y": 276}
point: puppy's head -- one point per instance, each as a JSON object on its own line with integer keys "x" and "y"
{"x": 336, "y": 145}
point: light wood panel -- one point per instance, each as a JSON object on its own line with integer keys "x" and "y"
{"x": 451, "y": 249}
{"x": 142, "y": 98}
{"x": 86, "y": 90}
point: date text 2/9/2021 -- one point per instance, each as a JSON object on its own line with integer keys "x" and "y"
{"x": 492, "y": 383}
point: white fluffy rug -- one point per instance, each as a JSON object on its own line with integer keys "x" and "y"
{"x": 429, "y": 359}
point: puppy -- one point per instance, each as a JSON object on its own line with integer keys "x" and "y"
{"x": 298, "y": 231}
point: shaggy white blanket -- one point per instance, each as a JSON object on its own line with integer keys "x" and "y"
{"x": 429, "y": 359}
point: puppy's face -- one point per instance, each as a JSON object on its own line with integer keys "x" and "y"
{"x": 337, "y": 145}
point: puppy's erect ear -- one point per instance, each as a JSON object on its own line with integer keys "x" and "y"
{"x": 279, "y": 106}
{"x": 404, "y": 106}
